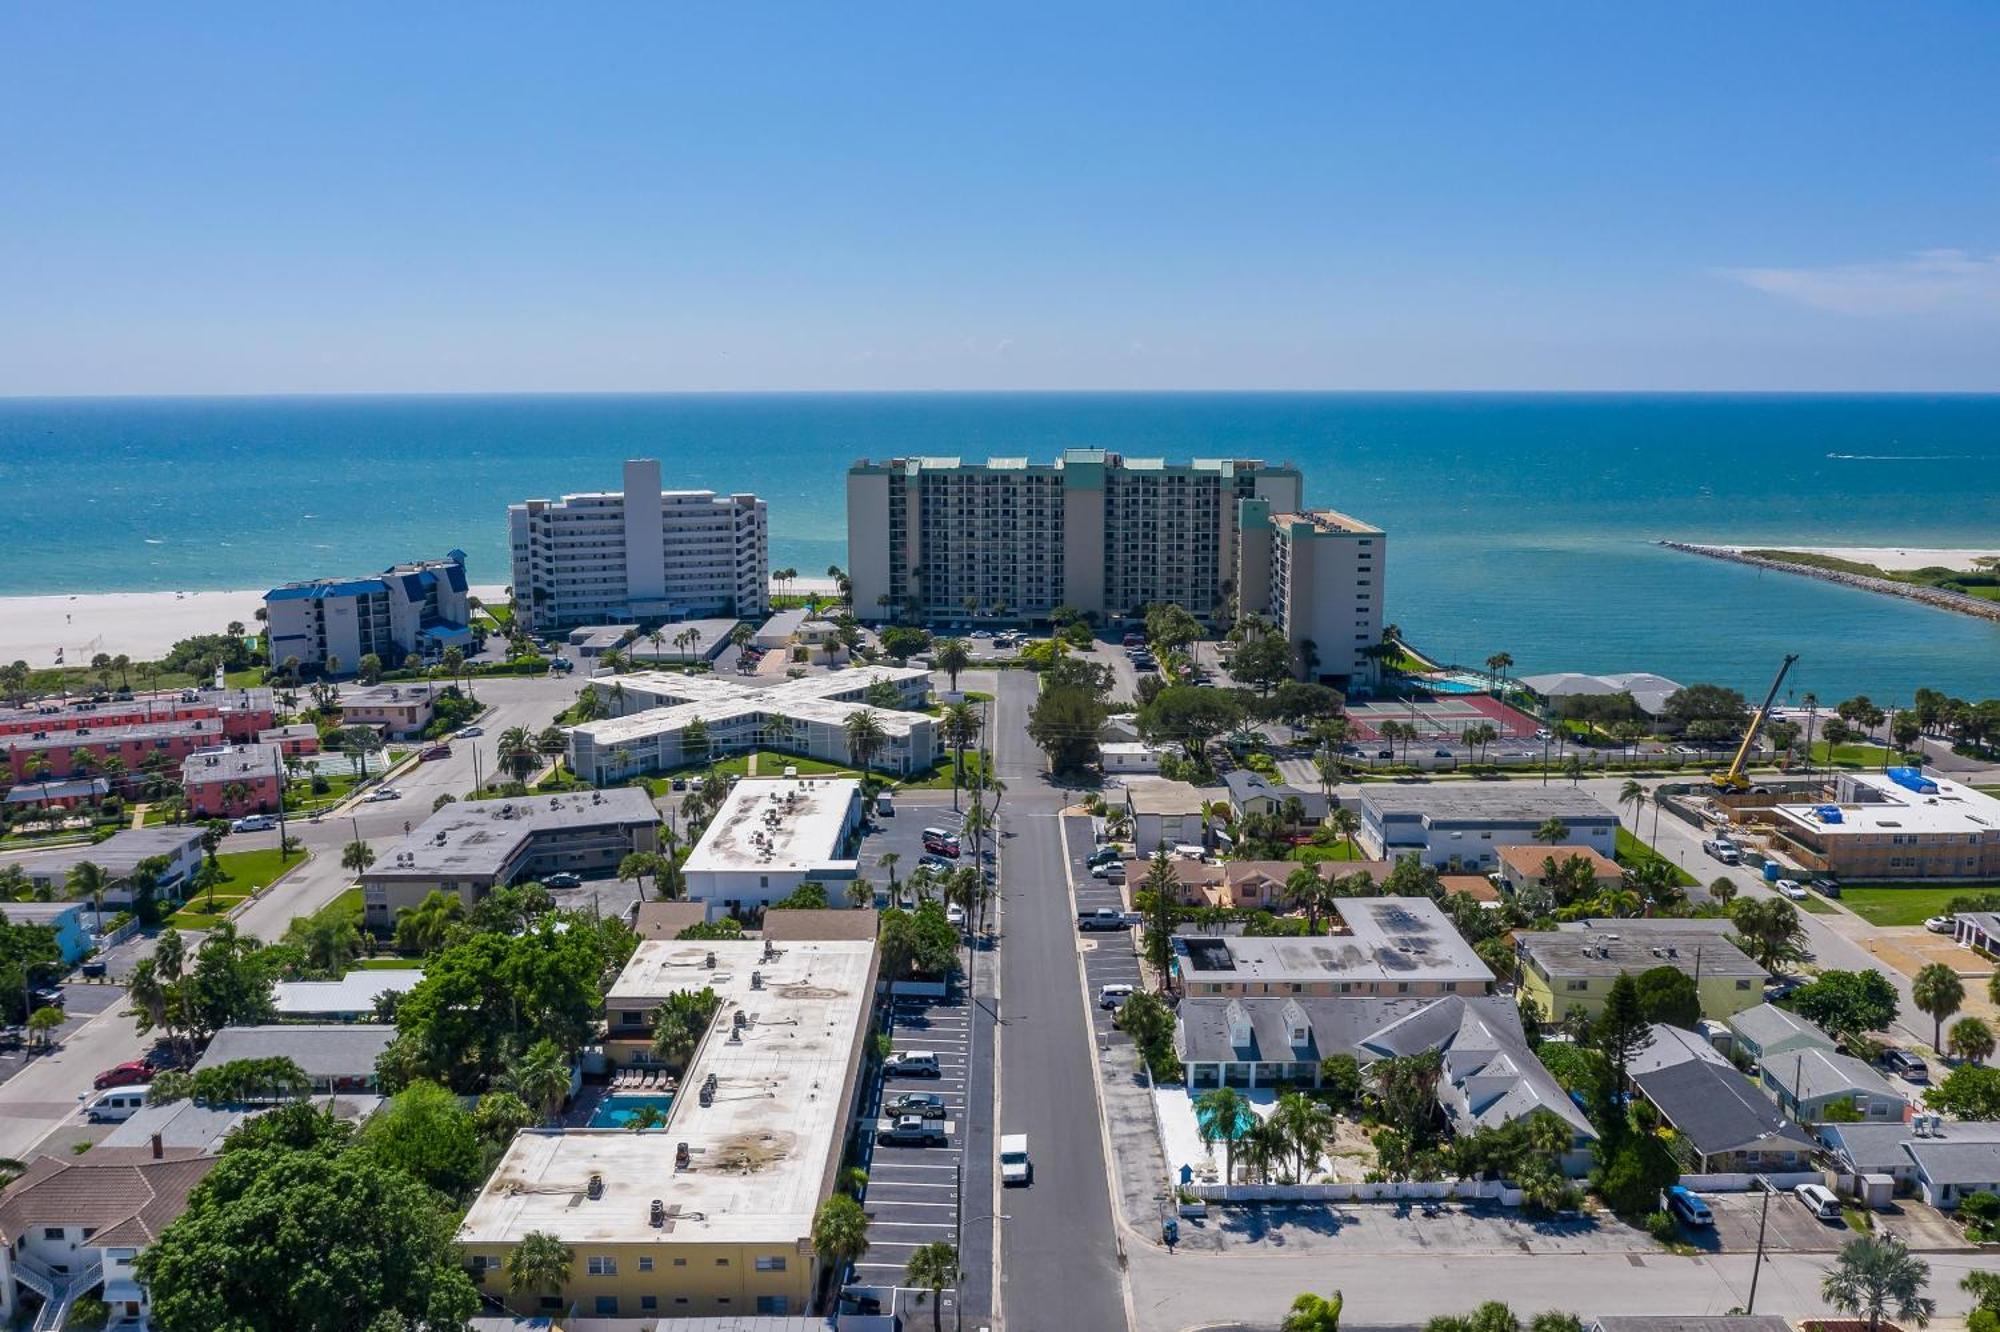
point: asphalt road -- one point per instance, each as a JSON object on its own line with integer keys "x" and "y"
{"x": 1059, "y": 1261}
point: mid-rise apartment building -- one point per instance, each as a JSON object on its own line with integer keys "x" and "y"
{"x": 640, "y": 554}
{"x": 406, "y": 610}
{"x": 1317, "y": 576}
{"x": 1104, "y": 533}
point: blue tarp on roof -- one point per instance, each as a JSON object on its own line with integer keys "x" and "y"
{"x": 1913, "y": 779}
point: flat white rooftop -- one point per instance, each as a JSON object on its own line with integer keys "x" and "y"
{"x": 777, "y": 825}
{"x": 1387, "y": 939}
{"x": 671, "y": 701}
{"x": 353, "y": 993}
{"x": 760, "y": 1155}
{"x": 1891, "y": 808}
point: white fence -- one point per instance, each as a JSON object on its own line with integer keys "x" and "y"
{"x": 1738, "y": 1183}
{"x": 1485, "y": 1190}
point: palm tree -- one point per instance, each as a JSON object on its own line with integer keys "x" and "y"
{"x": 635, "y": 867}
{"x": 1306, "y": 887}
{"x": 1218, "y": 1114}
{"x": 1307, "y": 1125}
{"x": 1266, "y": 1145}
{"x": 1633, "y": 793}
{"x": 357, "y": 856}
{"x": 1311, "y": 1313}
{"x": 87, "y": 879}
{"x": 1875, "y": 1277}
{"x": 1972, "y": 1039}
{"x": 865, "y": 736}
{"x": 1938, "y": 991}
{"x": 454, "y": 666}
{"x": 961, "y": 724}
{"x": 42, "y": 1024}
{"x": 840, "y": 1232}
{"x": 1553, "y": 832}
{"x": 541, "y": 1078}
{"x": 933, "y": 1267}
{"x": 36, "y": 768}
{"x": 517, "y": 752}
{"x": 540, "y": 1264}
{"x": 952, "y": 657}
{"x": 1346, "y": 823}
{"x": 1499, "y": 664}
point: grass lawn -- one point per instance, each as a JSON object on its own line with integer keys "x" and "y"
{"x": 299, "y": 794}
{"x": 1313, "y": 855}
{"x": 939, "y": 778}
{"x": 1631, "y": 851}
{"x": 1989, "y": 790}
{"x": 1818, "y": 905}
{"x": 1860, "y": 756}
{"x": 1905, "y": 903}
{"x": 249, "y": 871}
{"x": 385, "y": 963}
{"x": 349, "y": 902}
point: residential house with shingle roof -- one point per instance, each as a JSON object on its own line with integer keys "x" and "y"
{"x": 1768, "y": 1030}
{"x": 1938, "y": 1160}
{"x": 1722, "y": 1123}
{"x": 1810, "y": 1082}
{"x": 70, "y": 1224}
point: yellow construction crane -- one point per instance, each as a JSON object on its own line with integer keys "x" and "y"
{"x": 1733, "y": 779}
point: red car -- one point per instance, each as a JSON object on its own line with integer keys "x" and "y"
{"x": 434, "y": 752}
{"x": 128, "y": 1074}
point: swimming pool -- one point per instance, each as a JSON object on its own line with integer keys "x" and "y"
{"x": 1246, "y": 1119}
{"x": 617, "y": 1110}
{"x": 1455, "y": 684}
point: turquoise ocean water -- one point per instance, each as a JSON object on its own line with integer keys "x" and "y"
{"x": 1517, "y": 522}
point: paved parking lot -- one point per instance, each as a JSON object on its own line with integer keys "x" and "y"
{"x": 902, "y": 834}
{"x": 1107, "y": 955}
{"x": 1790, "y": 1227}
{"x": 913, "y": 1195}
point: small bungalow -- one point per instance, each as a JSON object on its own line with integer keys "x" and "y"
{"x": 1252, "y": 792}
{"x": 1767, "y": 1031}
{"x": 1723, "y": 1124}
{"x": 1937, "y": 1160}
{"x": 1809, "y": 1082}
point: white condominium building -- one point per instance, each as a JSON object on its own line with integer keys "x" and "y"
{"x": 942, "y": 537}
{"x": 640, "y": 554}
{"x": 1317, "y": 576}
{"x": 408, "y": 610}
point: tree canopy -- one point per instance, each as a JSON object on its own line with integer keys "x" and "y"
{"x": 1847, "y": 1003}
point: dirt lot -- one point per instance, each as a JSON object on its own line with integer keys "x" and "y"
{"x": 1368, "y": 1227}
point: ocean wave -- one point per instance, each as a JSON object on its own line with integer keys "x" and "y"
{"x": 1901, "y": 457}
{"x": 155, "y": 541}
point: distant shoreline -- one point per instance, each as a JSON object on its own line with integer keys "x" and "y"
{"x": 1899, "y": 561}
{"x": 144, "y": 625}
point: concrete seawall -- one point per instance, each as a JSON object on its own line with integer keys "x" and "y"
{"x": 1929, "y": 596}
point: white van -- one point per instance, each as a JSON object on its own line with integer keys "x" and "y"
{"x": 1819, "y": 1200}
{"x": 1015, "y": 1168}
{"x": 115, "y": 1106}
{"x": 885, "y": 805}
{"x": 1110, "y": 996}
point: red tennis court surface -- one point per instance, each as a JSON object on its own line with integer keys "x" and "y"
{"x": 1438, "y": 715}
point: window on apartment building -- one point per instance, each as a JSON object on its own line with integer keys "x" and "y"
{"x": 648, "y": 1303}
{"x": 607, "y": 1305}
{"x": 52, "y": 1232}
{"x": 646, "y": 1264}
{"x": 601, "y": 1265}
{"x": 1576, "y": 985}
{"x": 680, "y": 1262}
{"x": 771, "y": 1263}
{"x": 722, "y": 1262}
{"x": 1743, "y": 985}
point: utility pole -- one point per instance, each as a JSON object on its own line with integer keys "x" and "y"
{"x": 1763, "y": 1213}
{"x": 278, "y": 772}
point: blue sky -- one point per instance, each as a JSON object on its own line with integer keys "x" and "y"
{"x": 264, "y": 198}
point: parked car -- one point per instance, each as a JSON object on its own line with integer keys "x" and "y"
{"x": 127, "y": 1074}
{"x": 1941, "y": 924}
{"x": 912, "y": 1131}
{"x": 885, "y": 805}
{"x": 471, "y": 733}
{"x": 1687, "y": 1205}
{"x": 1015, "y": 1167}
{"x": 563, "y": 879}
{"x": 1112, "y": 995}
{"x": 51, "y": 997}
{"x": 938, "y": 863}
{"x": 430, "y": 753}
{"x": 954, "y": 916}
{"x": 929, "y": 1105}
{"x": 912, "y": 1064}
{"x": 382, "y": 793}
{"x": 1793, "y": 889}
{"x": 1905, "y": 1065}
{"x": 1110, "y": 869}
{"x": 1825, "y": 887}
{"x": 253, "y": 823}
{"x": 1819, "y": 1200}
{"x": 1440, "y": 752}
{"x": 1103, "y": 855}
{"x": 114, "y": 1106}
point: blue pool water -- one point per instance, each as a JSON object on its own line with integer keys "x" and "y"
{"x": 1451, "y": 684}
{"x": 1246, "y": 1119}
{"x": 617, "y": 1110}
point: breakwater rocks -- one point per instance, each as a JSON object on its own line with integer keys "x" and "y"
{"x": 1929, "y": 596}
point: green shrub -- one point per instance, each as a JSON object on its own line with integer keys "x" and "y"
{"x": 1661, "y": 1227}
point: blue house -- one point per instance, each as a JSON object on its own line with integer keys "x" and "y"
{"x": 71, "y": 921}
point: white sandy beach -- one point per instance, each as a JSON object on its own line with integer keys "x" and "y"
{"x": 1895, "y": 559}
{"x": 143, "y": 625}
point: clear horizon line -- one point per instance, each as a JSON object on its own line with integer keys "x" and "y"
{"x": 1273, "y": 392}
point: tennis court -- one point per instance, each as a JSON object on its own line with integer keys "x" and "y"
{"x": 1438, "y": 715}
